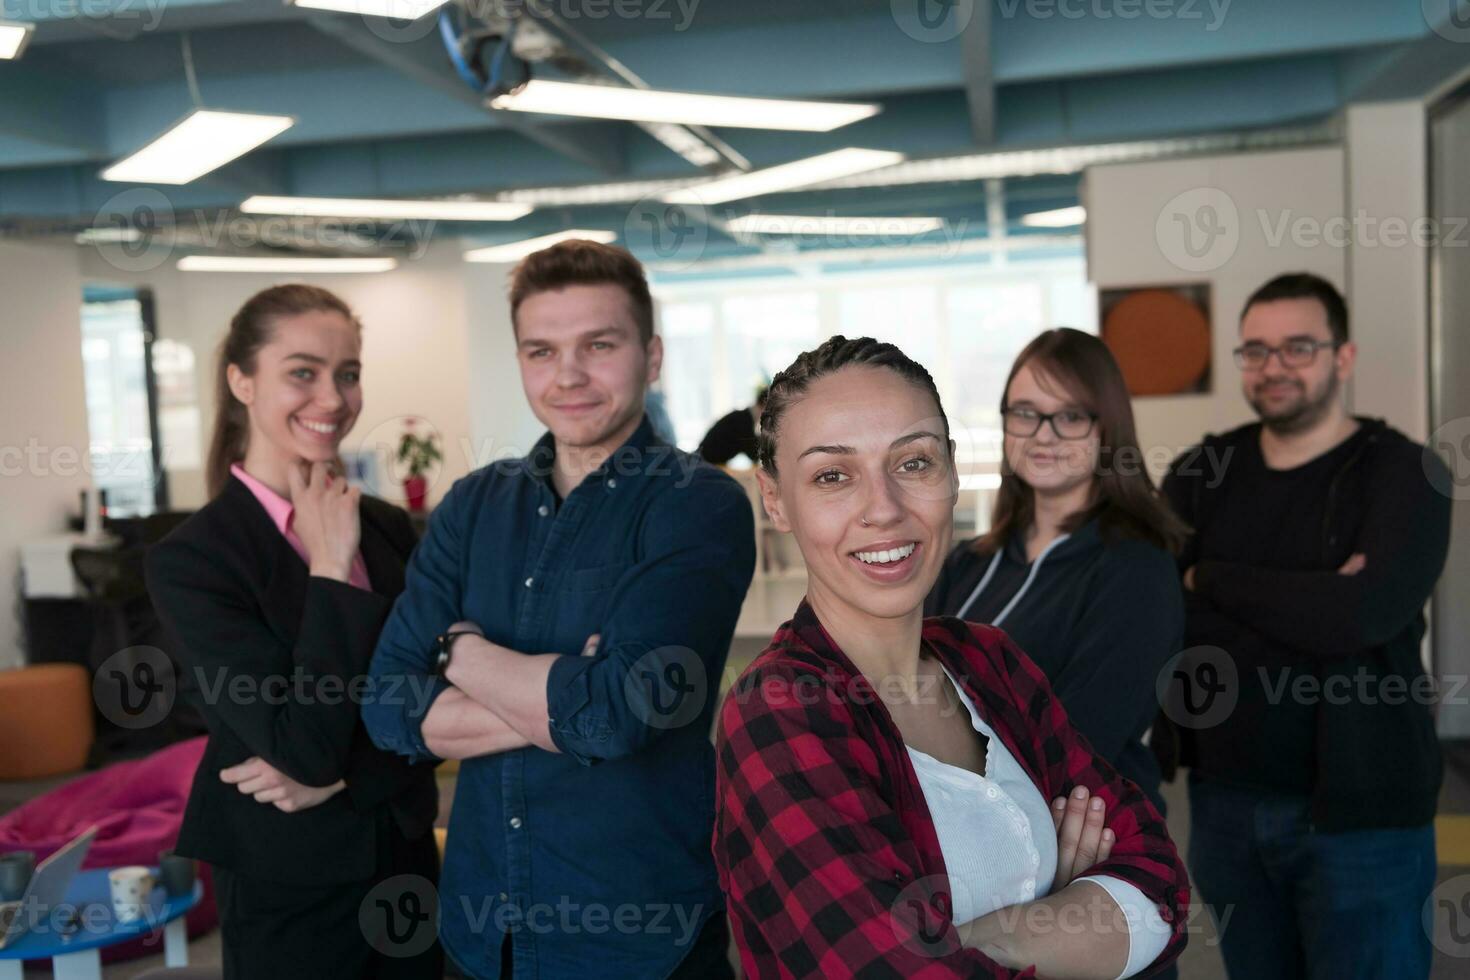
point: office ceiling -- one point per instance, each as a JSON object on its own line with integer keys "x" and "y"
{"x": 381, "y": 112}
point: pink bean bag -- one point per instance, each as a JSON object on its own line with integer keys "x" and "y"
{"x": 138, "y": 807}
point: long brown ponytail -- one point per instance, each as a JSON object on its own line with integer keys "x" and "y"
{"x": 250, "y": 330}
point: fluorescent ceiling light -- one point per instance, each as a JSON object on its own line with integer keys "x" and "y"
{"x": 515, "y": 251}
{"x": 397, "y": 9}
{"x": 14, "y": 36}
{"x": 1059, "y": 218}
{"x": 969, "y": 167}
{"x": 806, "y": 224}
{"x": 343, "y": 207}
{"x": 609, "y": 193}
{"x": 689, "y": 108}
{"x": 250, "y": 263}
{"x": 101, "y": 236}
{"x": 205, "y": 140}
{"x": 787, "y": 176}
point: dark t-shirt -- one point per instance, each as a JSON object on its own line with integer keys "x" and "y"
{"x": 1271, "y": 519}
{"x": 730, "y": 437}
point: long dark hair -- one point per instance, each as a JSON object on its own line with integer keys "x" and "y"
{"x": 1125, "y": 500}
{"x": 250, "y": 330}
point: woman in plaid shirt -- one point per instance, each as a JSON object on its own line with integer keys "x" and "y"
{"x": 882, "y": 783}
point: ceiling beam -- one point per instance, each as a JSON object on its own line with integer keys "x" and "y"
{"x": 979, "y": 73}
{"x": 425, "y": 62}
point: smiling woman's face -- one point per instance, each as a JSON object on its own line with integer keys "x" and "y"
{"x": 867, "y": 487}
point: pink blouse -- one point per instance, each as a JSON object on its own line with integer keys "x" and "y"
{"x": 281, "y": 512}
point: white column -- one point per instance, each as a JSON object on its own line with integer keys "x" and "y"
{"x": 1388, "y": 273}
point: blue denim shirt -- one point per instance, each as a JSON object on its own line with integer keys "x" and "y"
{"x": 596, "y": 859}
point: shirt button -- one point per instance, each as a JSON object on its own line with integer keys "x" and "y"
{"x": 504, "y": 897}
{"x": 612, "y": 482}
{"x": 991, "y": 792}
{"x": 543, "y": 510}
{"x": 515, "y": 823}
{"x": 529, "y": 581}
{"x": 1030, "y": 884}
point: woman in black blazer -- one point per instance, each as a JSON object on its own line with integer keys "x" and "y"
{"x": 323, "y": 849}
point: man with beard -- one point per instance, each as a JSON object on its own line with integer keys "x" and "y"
{"x": 1301, "y": 704}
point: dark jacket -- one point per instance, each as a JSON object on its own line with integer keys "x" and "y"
{"x": 1100, "y": 618}
{"x": 248, "y": 614}
{"x": 1377, "y": 759}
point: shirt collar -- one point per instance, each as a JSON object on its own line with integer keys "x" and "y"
{"x": 809, "y": 635}
{"x": 277, "y": 506}
{"x": 628, "y": 459}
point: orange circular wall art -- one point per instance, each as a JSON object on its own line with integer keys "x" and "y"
{"x": 1161, "y": 340}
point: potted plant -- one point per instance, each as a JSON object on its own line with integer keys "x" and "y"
{"x": 418, "y": 454}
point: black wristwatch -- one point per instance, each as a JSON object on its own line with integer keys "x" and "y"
{"x": 444, "y": 648}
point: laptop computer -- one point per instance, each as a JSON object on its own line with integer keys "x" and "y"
{"x": 47, "y": 888}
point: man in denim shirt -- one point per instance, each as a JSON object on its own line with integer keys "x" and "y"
{"x": 605, "y": 571}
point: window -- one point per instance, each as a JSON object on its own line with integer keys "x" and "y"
{"x": 116, "y": 342}
{"x": 965, "y": 323}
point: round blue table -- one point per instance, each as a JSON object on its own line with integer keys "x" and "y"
{"x": 72, "y": 935}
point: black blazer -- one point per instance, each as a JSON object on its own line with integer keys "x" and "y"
{"x": 246, "y": 612}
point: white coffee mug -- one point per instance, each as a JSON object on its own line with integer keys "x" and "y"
{"x": 130, "y": 890}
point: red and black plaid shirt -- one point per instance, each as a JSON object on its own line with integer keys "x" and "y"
{"x": 823, "y": 840}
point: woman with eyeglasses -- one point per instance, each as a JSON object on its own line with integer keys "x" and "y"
{"x": 1077, "y": 565}
{"x": 901, "y": 796}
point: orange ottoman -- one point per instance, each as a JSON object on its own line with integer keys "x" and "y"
{"x": 46, "y": 723}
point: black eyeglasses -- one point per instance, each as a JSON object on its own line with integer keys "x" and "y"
{"x": 1069, "y": 423}
{"x": 1293, "y": 353}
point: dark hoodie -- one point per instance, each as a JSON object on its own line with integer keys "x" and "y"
{"x": 1100, "y": 618}
{"x": 1329, "y": 693}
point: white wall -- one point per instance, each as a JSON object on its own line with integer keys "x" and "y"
{"x": 500, "y": 419}
{"x": 1137, "y": 215}
{"x": 416, "y": 350}
{"x": 42, "y": 403}
{"x": 1388, "y": 273}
